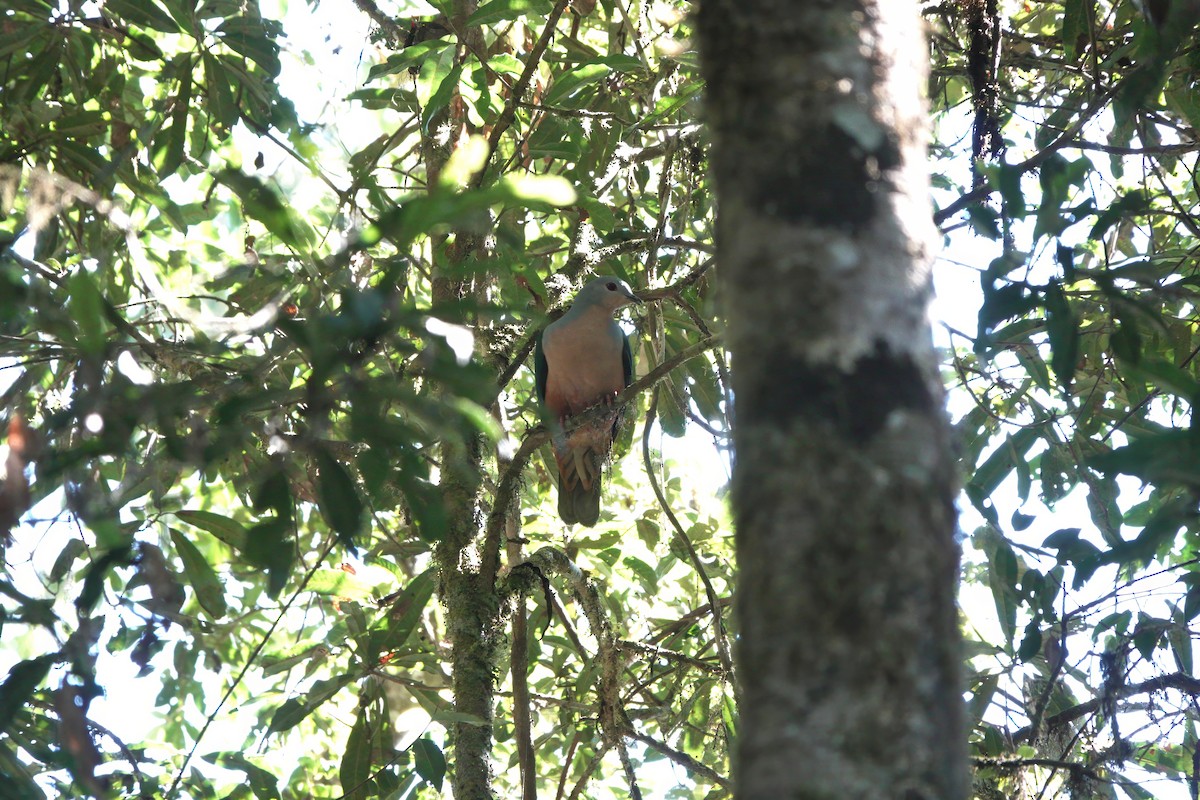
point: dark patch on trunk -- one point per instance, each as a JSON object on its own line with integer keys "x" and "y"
{"x": 856, "y": 404}
{"x": 830, "y": 181}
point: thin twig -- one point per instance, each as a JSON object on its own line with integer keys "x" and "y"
{"x": 687, "y": 620}
{"x": 505, "y": 120}
{"x": 693, "y": 556}
{"x": 630, "y": 774}
{"x": 655, "y": 651}
{"x": 250, "y": 662}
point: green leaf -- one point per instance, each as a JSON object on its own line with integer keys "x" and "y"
{"x": 1021, "y": 521}
{"x": 171, "y": 155}
{"x": 1075, "y": 29}
{"x": 1146, "y": 639}
{"x": 405, "y": 613}
{"x": 1165, "y": 458}
{"x": 71, "y": 552}
{"x": 254, "y": 38}
{"x": 1000, "y": 304}
{"x": 429, "y": 762}
{"x": 1180, "y": 641}
{"x": 1166, "y": 377}
{"x": 1002, "y": 579}
{"x": 293, "y": 711}
{"x": 93, "y": 581}
{"x": 671, "y": 407}
{"x": 355, "y": 770}
{"x": 270, "y": 546}
{"x": 431, "y": 78}
{"x": 21, "y": 682}
{"x": 222, "y": 107}
{"x": 261, "y": 202}
{"x": 288, "y": 715}
{"x": 1156, "y": 538}
{"x": 143, "y": 47}
{"x": 1131, "y": 203}
{"x": 569, "y": 84}
{"x": 86, "y": 307}
{"x": 981, "y": 697}
{"x": 1007, "y": 178}
{"x": 1063, "y": 329}
{"x": 274, "y": 493}
{"x": 502, "y": 10}
{"x": 1003, "y": 460}
{"x": 262, "y": 782}
{"x": 1031, "y": 643}
{"x": 227, "y": 530}
{"x": 147, "y": 13}
{"x": 644, "y": 572}
{"x": 338, "y": 499}
{"x": 1191, "y": 600}
{"x": 409, "y": 56}
{"x": 442, "y": 96}
{"x": 208, "y": 587}
{"x": 557, "y": 139}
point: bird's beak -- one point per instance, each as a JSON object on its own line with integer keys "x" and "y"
{"x": 633, "y": 298}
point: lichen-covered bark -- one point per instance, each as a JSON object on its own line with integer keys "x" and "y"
{"x": 844, "y": 483}
{"x": 469, "y": 595}
{"x": 467, "y": 566}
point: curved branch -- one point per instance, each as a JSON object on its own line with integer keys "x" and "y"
{"x": 709, "y": 591}
{"x": 630, "y": 775}
{"x": 681, "y": 758}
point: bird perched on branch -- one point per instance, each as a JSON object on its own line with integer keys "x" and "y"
{"x": 584, "y": 359}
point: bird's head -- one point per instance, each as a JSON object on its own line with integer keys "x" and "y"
{"x": 608, "y": 292}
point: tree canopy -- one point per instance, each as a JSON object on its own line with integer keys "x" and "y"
{"x": 267, "y": 296}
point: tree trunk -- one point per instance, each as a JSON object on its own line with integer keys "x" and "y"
{"x": 466, "y": 564}
{"x": 844, "y": 484}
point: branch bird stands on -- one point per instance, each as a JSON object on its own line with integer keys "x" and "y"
{"x": 583, "y": 359}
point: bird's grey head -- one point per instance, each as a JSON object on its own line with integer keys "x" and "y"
{"x": 608, "y": 292}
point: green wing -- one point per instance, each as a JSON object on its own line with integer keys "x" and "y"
{"x": 626, "y": 360}
{"x": 540, "y": 369}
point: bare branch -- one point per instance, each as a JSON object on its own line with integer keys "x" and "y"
{"x": 681, "y": 758}
{"x": 1178, "y": 681}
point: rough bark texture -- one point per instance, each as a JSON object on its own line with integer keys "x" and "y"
{"x": 844, "y": 484}
{"x": 467, "y": 565}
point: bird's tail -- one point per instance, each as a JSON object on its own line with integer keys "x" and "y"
{"x": 580, "y": 459}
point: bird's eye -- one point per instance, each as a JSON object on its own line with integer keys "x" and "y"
{"x": 612, "y": 286}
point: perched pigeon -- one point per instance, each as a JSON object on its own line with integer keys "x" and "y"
{"x": 584, "y": 359}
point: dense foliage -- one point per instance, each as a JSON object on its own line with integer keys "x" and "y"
{"x": 266, "y": 300}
